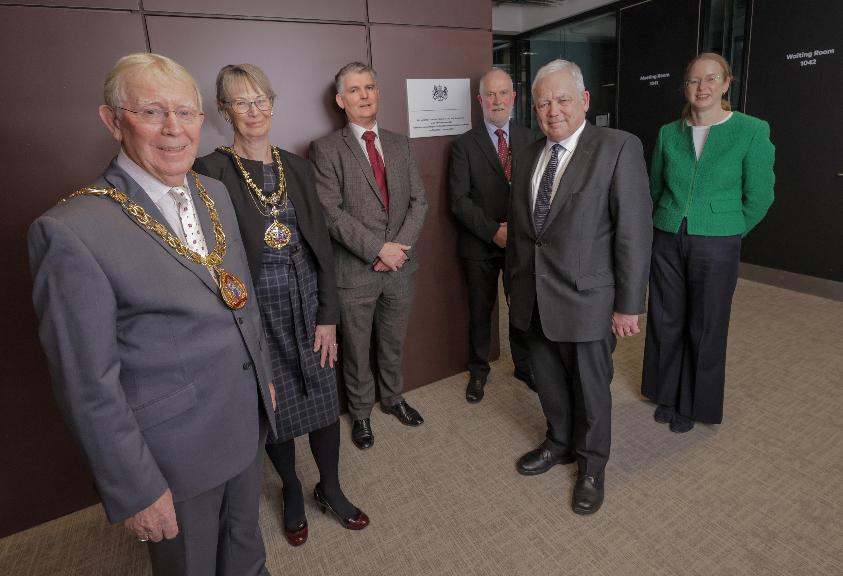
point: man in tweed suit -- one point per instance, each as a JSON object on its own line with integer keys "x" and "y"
{"x": 373, "y": 198}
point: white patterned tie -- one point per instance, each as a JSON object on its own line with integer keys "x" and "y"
{"x": 193, "y": 236}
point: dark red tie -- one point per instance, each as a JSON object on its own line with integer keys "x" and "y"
{"x": 377, "y": 165}
{"x": 503, "y": 153}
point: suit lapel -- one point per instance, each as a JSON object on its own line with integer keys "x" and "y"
{"x": 573, "y": 173}
{"x": 118, "y": 178}
{"x": 363, "y": 161}
{"x": 481, "y": 135}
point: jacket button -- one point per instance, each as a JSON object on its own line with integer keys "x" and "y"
{"x": 240, "y": 320}
{"x": 247, "y": 365}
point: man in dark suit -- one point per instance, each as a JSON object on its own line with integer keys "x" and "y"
{"x": 480, "y": 174}
{"x": 373, "y": 198}
{"x": 577, "y": 262}
{"x": 153, "y": 336}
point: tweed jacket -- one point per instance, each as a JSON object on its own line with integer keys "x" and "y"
{"x": 357, "y": 219}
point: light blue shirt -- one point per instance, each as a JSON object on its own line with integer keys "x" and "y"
{"x": 491, "y": 129}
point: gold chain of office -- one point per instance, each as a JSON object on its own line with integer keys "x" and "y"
{"x": 232, "y": 289}
{"x": 277, "y": 234}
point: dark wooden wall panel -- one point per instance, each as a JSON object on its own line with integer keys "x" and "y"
{"x": 437, "y": 343}
{"x": 305, "y": 108}
{"x": 52, "y": 143}
{"x": 114, "y": 4}
{"x": 460, "y": 14}
{"x": 344, "y": 10}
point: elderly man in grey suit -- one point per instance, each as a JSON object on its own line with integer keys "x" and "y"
{"x": 153, "y": 336}
{"x": 479, "y": 176}
{"x": 577, "y": 262}
{"x": 374, "y": 205}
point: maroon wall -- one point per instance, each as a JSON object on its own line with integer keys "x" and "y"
{"x": 52, "y": 143}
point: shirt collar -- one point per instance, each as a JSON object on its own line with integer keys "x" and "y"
{"x": 569, "y": 143}
{"x": 359, "y": 130}
{"x": 491, "y": 129}
{"x": 153, "y": 187}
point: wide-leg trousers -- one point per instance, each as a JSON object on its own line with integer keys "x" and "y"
{"x": 692, "y": 281}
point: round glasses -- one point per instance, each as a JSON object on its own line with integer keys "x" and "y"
{"x": 262, "y": 103}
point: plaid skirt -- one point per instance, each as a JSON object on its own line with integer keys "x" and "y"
{"x": 306, "y": 394}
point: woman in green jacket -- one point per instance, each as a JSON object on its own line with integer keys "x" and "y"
{"x": 711, "y": 182}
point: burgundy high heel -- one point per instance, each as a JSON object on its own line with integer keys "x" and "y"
{"x": 357, "y": 522}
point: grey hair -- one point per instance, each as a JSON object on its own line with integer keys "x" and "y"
{"x": 558, "y": 66}
{"x": 482, "y": 88}
{"x": 232, "y": 76}
{"x": 143, "y": 63}
{"x": 353, "y": 68}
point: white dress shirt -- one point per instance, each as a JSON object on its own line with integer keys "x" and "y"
{"x": 569, "y": 144}
{"x": 159, "y": 193}
{"x": 358, "y": 134}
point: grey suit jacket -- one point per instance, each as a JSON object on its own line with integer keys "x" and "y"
{"x": 356, "y": 216}
{"x": 479, "y": 190}
{"x": 592, "y": 256}
{"x": 161, "y": 383}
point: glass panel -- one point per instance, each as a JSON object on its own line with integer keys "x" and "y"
{"x": 724, "y": 33}
{"x": 592, "y": 44}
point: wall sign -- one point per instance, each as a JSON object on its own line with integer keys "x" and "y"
{"x": 438, "y": 107}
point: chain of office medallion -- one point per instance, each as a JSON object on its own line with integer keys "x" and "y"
{"x": 280, "y": 194}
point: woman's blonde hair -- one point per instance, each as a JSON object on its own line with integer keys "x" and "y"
{"x": 727, "y": 75}
{"x": 233, "y": 76}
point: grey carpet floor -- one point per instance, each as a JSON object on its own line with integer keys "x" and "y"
{"x": 761, "y": 494}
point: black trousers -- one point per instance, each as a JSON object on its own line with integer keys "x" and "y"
{"x": 481, "y": 276}
{"x": 692, "y": 280}
{"x": 572, "y": 381}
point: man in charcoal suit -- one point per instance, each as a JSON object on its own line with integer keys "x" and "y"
{"x": 577, "y": 264}
{"x": 480, "y": 173}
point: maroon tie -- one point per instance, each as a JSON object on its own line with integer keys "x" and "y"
{"x": 377, "y": 165}
{"x": 503, "y": 153}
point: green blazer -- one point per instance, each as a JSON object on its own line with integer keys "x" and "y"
{"x": 724, "y": 193}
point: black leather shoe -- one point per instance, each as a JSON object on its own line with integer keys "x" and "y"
{"x": 361, "y": 434}
{"x": 681, "y": 424}
{"x": 664, "y": 414}
{"x": 526, "y": 377}
{"x": 541, "y": 460}
{"x": 474, "y": 390}
{"x": 588, "y": 494}
{"x": 406, "y": 414}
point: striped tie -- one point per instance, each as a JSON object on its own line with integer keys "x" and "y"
{"x": 543, "y": 197}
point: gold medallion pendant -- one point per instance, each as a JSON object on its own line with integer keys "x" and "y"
{"x": 232, "y": 289}
{"x": 277, "y": 235}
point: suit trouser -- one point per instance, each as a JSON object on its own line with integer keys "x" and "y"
{"x": 692, "y": 281}
{"x": 481, "y": 276}
{"x": 383, "y": 306}
{"x": 572, "y": 382}
{"x": 219, "y": 532}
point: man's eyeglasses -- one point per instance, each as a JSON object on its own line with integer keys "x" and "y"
{"x": 262, "y": 103}
{"x": 154, "y": 115}
{"x": 705, "y": 80}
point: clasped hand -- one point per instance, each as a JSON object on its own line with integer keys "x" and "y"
{"x": 391, "y": 257}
